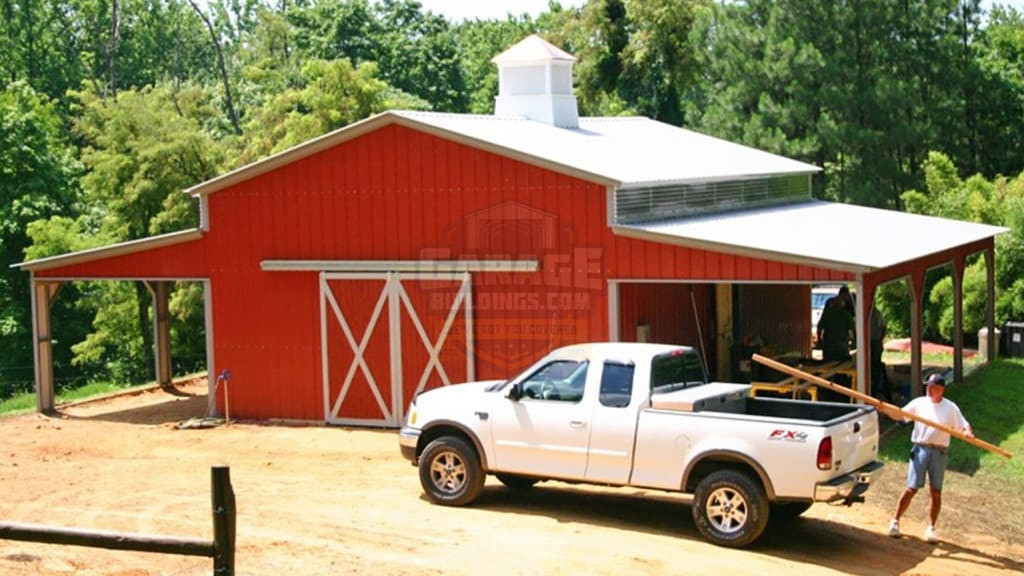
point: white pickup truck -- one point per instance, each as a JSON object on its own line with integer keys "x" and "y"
{"x": 642, "y": 415}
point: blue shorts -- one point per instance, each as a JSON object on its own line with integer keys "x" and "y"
{"x": 926, "y": 459}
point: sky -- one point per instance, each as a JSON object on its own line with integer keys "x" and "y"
{"x": 457, "y": 10}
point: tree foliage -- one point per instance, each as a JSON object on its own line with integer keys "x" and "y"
{"x": 999, "y": 202}
{"x": 331, "y": 94}
{"x": 37, "y": 180}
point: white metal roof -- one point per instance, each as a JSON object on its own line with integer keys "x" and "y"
{"x": 533, "y": 48}
{"x": 630, "y": 151}
{"x": 827, "y": 234}
{"x": 623, "y": 151}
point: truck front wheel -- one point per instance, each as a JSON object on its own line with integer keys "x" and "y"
{"x": 730, "y": 509}
{"x": 450, "y": 472}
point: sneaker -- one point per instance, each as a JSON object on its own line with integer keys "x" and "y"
{"x": 894, "y": 528}
{"x": 930, "y": 536}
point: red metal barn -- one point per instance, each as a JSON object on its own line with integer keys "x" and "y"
{"x": 414, "y": 250}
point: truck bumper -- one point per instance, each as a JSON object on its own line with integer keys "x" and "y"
{"x": 848, "y": 488}
{"x": 408, "y": 437}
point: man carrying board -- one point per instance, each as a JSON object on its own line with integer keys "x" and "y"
{"x": 928, "y": 454}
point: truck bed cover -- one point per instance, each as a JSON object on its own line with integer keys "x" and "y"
{"x": 700, "y": 397}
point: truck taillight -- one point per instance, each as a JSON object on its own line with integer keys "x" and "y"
{"x": 825, "y": 453}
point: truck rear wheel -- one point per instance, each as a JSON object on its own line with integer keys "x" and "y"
{"x": 730, "y": 509}
{"x": 450, "y": 471}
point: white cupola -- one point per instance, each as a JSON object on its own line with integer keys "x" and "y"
{"x": 535, "y": 82}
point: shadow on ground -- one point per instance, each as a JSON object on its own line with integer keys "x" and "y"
{"x": 811, "y": 541}
{"x": 167, "y": 407}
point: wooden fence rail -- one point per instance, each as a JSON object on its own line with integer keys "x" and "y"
{"x": 221, "y": 549}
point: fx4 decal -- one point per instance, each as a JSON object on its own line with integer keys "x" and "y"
{"x": 788, "y": 435}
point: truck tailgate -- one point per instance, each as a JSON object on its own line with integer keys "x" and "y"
{"x": 854, "y": 440}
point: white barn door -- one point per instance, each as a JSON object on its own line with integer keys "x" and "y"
{"x": 388, "y": 336}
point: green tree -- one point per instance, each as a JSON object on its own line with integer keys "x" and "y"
{"x": 415, "y": 51}
{"x": 998, "y": 74}
{"x": 332, "y": 94}
{"x": 37, "y": 180}
{"x": 141, "y": 152}
{"x": 39, "y": 42}
{"x": 635, "y": 57}
{"x": 864, "y": 89}
{"x": 979, "y": 200}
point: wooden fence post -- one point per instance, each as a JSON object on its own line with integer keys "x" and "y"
{"x": 223, "y": 521}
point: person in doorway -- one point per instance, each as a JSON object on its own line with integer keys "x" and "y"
{"x": 835, "y": 328}
{"x": 928, "y": 454}
{"x": 846, "y": 298}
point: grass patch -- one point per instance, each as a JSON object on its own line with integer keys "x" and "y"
{"x": 26, "y": 401}
{"x": 990, "y": 486}
{"x": 932, "y": 359}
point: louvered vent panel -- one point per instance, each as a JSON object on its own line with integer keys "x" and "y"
{"x": 634, "y": 205}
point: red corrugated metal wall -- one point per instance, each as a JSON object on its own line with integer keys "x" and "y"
{"x": 669, "y": 312}
{"x": 779, "y": 316}
{"x": 399, "y": 194}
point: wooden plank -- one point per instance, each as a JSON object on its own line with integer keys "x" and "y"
{"x": 883, "y": 407}
{"x": 105, "y": 539}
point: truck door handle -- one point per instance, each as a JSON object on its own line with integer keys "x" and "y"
{"x": 577, "y": 424}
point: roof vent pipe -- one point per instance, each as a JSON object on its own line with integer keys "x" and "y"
{"x": 535, "y": 82}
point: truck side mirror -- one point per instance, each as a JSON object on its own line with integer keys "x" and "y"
{"x": 514, "y": 392}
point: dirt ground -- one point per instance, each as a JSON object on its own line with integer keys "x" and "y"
{"x": 318, "y": 500}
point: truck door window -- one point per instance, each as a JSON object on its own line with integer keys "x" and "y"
{"x": 561, "y": 380}
{"x": 616, "y": 385}
{"x": 676, "y": 370}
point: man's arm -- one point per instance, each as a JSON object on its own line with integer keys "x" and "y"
{"x": 962, "y": 424}
{"x": 892, "y": 412}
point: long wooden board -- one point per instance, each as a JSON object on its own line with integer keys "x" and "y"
{"x": 884, "y": 407}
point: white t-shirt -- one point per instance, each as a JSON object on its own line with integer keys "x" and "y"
{"x": 944, "y": 412}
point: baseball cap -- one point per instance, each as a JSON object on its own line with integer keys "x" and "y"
{"x": 936, "y": 380}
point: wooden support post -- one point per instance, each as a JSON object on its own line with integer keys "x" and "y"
{"x": 43, "y": 295}
{"x": 723, "y": 328}
{"x": 862, "y": 363}
{"x": 990, "y": 304}
{"x": 162, "y": 331}
{"x": 958, "y": 318}
{"x": 916, "y": 281}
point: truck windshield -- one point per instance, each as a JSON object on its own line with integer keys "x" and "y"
{"x": 676, "y": 370}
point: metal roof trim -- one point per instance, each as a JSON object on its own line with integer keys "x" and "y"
{"x": 418, "y": 266}
{"x": 119, "y": 249}
{"x": 297, "y": 152}
{"x": 836, "y": 236}
{"x": 352, "y": 131}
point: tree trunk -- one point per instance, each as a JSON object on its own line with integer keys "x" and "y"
{"x": 143, "y": 299}
{"x": 223, "y": 69}
{"x": 113, "y": 46}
